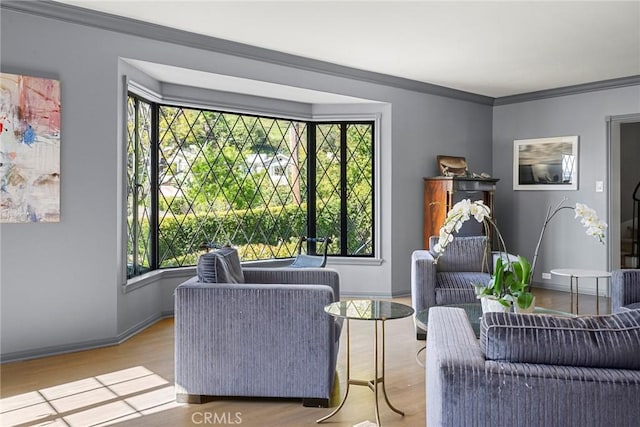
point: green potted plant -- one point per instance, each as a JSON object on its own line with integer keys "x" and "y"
{"x": 509, "y": 286}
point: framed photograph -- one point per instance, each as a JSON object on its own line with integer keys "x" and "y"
{"x": 545, "y": 163}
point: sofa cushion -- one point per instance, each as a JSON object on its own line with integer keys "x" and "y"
{"x": 220, "y": 266}
{"x": 611, "y": 341}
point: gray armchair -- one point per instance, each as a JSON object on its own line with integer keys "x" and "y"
{"x": 268, "y": 337}
{"x": 450, "y": 280}
{"x": 625, "y": 290}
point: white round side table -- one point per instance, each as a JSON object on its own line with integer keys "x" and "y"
{"x": 578, "y": 273}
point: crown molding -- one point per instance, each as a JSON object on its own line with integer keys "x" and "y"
{"x": 569, "y": 90}
{"x": 123, "y": 25}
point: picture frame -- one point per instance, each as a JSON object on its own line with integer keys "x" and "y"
{"x": 30, "y": 120}
{"x": 546, "y": 163}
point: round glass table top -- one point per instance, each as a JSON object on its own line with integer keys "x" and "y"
{"x": 367, "y": 309}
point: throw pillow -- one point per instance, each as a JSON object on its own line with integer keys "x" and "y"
{"x": 220, "y": 266}
{"x": 611, "y": 341}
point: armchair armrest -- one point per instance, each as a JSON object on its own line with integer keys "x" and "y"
{"x": 423, "y": 280}
{"x": 625, "y": 288}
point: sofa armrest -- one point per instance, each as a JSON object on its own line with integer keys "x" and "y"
{"x": 451, "y": 339}
{"x": 300, "y": 276}
{"x": 453, "y": 356}
{"x": 423, "y": 280}
{"x": 239, "y": 339}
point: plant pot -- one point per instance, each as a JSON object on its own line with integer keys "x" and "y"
{"x": 492, "y": 304}
{"x": 525, "y": 310}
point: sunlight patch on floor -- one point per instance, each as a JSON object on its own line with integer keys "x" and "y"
{"x": 96, "y": 401}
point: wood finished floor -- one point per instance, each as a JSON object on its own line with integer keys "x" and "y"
{"x": 132, "y": 384}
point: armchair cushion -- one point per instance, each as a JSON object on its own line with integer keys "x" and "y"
{"x": 220, "y": 266}
{"x": 611, "y": 341}
{"x": 455, "y": 287}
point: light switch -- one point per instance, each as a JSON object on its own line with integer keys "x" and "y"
{"x": 599, "y": 186}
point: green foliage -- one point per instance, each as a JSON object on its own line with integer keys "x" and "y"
{"x": 220, "y": 197}
{"x": 216, "y": 175}
{"x": 510, "y": 283}
{"x": 181, "y": 236}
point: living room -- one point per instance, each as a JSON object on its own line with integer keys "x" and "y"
{"x": 64, "y": 285}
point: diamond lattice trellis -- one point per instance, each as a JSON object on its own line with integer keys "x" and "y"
{"x": 242, "y": 179}
{"x": 238, "y": 181}
{"x": 138, "y": 186}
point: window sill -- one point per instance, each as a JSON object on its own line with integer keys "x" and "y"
{"x": 353, "y": 261}
{"x": 186, "y": 272}
{"x": 156, "y": 276}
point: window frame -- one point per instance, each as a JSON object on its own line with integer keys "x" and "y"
{"x": 372, "y": 119}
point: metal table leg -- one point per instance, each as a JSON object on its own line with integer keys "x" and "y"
{"x": 384, "y": 390}
{"x": 346, "y": 393}
{"x": 597, "y": 297}
{"x": 577, "y": 296}
{"x": 373, "y": 383}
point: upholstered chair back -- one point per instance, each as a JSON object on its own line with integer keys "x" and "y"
{"x": 463, "y": 254}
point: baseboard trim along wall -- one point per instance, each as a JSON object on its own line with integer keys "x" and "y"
{"x": 85, "y": 345}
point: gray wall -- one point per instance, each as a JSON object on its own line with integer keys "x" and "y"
{"x": 629, "y": 171}
{"x": 61, "y": 283}
{"x": 521, "y": 213}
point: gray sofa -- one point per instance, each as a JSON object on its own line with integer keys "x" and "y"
{"x": 533, "y": 370}
{"x": 267, "y": 337}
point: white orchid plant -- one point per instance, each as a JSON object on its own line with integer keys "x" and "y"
{"x": 458, "y": 215}
{"x": 588, "y": 217}
{"x": 511, "y": 277}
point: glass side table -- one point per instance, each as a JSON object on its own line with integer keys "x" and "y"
{"x": 379, "y": 312}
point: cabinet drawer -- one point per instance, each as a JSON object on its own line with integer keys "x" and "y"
{"x": 475, "y": 185}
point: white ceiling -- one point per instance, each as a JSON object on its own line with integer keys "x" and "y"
{"x": 495, "y": 48}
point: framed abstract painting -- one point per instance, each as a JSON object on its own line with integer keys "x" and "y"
{"x": 29, "y": 149}
{"x": 545, "y": 163}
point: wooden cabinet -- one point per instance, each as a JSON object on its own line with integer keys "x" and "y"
{"x": 442, "y": 192}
